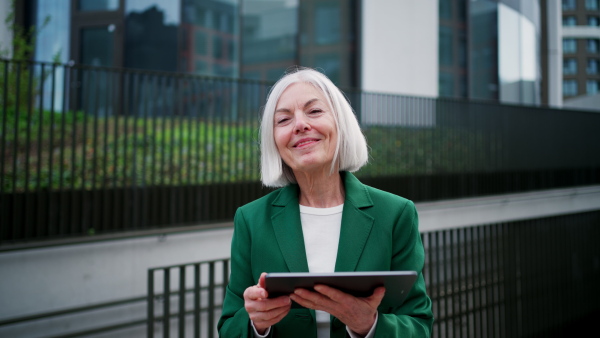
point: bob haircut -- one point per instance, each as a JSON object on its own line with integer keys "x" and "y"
{"x": 351, "y": 151}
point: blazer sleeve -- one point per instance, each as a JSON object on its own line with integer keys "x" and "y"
{"x": 234, "y": 321}
{"x": 414, "y": 317}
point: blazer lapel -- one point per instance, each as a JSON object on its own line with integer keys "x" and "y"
{"x": 356, "y": 224}
{"x": 286, "y": 224}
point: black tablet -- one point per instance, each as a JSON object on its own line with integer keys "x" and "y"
{"x": 359, "y": 283}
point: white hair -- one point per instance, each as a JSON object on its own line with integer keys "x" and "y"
{"x": 351, "y": 149}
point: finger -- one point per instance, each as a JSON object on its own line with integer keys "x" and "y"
{"x": 255, "y": 293}
{"x": 266, "y": 305}
{"x": 331, "y": 293}
{"x": 377, "y": 296}
{"x": 269, "y": 318}
{"x": 262, "y": 280}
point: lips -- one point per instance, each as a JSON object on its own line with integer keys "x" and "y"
{"x": 305, "y": 141}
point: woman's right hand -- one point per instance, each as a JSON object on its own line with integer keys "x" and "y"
{"x": 265, "y": 312}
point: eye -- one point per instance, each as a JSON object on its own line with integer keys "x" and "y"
{"x": 315, "y": 111}
{"x": 282, "y": 120}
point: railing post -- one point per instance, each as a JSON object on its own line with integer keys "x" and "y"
{"x": 150, "y": 305}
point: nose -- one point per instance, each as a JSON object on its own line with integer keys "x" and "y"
{"x": 302, "y": 123}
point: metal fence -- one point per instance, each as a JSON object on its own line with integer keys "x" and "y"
{"x": 533, "y": 278}
{"x": 102, "y": 150}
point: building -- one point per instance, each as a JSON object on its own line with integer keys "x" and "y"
{"x": 484, "y": 50}
{"x": 581, "y": 53}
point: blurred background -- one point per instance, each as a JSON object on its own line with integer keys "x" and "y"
{"x": 129, "y": 136}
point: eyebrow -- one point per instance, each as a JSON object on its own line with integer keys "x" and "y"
{"x": 308, "y": 103}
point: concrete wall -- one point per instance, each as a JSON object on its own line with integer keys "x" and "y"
{"x": 54, "y": 278}
{"x": 400, "y": 42}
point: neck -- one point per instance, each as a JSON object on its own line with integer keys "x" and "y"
{"x": 321, "y": 190}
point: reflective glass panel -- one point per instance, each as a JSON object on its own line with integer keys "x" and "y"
{"x": 151, "y": 34}
{"x": 592, "y": 87}
{"x": 569, "y": 21}
{"x": 327, "y": 23}
{"x": 592, "y": 66}
{"x": 592, "y": 21}
{"x": 270, "y": 35}
{"x": 569, "y": 88}
{"x": 569, "y": 46}
{"x": 569, "y": 66}
{"x": 98, "y": 5}
{"x": 591, "y": 4}
{"x": 569, "y": 5}
{"x": 97, "y": 46}
{"x": 592, "y": 45}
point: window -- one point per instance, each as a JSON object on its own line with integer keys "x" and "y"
{"x": 569, "y": 46}
{"x": 569, "y": 88}
{"x": 592, "y": 66}
{"x": 592, "y": 45}
{"x": 569, "y": 66}
{"x": 569, "y": 21}
{"x": 327, "y": 23}
{"x": 591, "y": 4}
{"x": 98, "y": 5}
{"x": 568, "y": 5}
{"x": 591, "y": 87}
{"x": 592, "y": 21}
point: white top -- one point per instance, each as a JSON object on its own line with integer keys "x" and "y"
{"x": 321, "y": 230}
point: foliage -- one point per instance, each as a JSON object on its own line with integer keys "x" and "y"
{"x": 75, "y": 150}
{"x": 18, "y": 79}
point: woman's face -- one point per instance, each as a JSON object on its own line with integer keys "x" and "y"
{"x": 304, "y": 129}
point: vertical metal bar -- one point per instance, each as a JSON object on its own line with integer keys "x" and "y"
{"x": 211, "y": 299}
{"x": 83, "y": 202}
{"x": 131, "y": 105}
{"x": 74, "y": 200}
{"x": 197, "y": 304}
{"x": 4, "y": 230}
{"x": 182, "y": 301}
{"x": 143, "y": 107}
{"x": 16, "y": 227}
{"x": 94, "y": 200}
{"x": 166, "y": 302}
{"x": 150, "y": 305}
{"x": 62, "y": 226}
{"x": 127, "y": 185}
{"x": 50, "y": 202}
{"x": 28, "y": 227}
{"x": 225, "y": 263}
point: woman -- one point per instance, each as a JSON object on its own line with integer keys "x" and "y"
{"x": 321, "y": 220}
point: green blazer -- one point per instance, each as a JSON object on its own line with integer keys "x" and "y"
{"x": 379, "y": 233}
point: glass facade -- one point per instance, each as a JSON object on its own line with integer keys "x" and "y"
{"x": 452, "y": 49}
{"x": 505, "y": 51}
{"x": 569, "y": 88}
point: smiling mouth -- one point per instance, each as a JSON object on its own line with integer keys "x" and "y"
{"x": 304, "y": 142}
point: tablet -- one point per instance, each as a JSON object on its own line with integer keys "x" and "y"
{"x": 359, "y": 283}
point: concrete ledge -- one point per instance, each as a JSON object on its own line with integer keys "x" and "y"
{"x": 504, "y": 208}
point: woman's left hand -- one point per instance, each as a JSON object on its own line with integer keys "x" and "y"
{"x": 357, "y": 313}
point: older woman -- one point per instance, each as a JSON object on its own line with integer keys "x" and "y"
{"x": 321, "y": 220}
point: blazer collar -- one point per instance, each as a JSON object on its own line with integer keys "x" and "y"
{"x": 355, "y": 230}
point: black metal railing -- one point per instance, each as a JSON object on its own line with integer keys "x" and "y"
{"x": 101, "y": 150}
{"x": 530, "y": 278}
{"x": 179, "y": 292}
{"x": 533, "y": 278}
